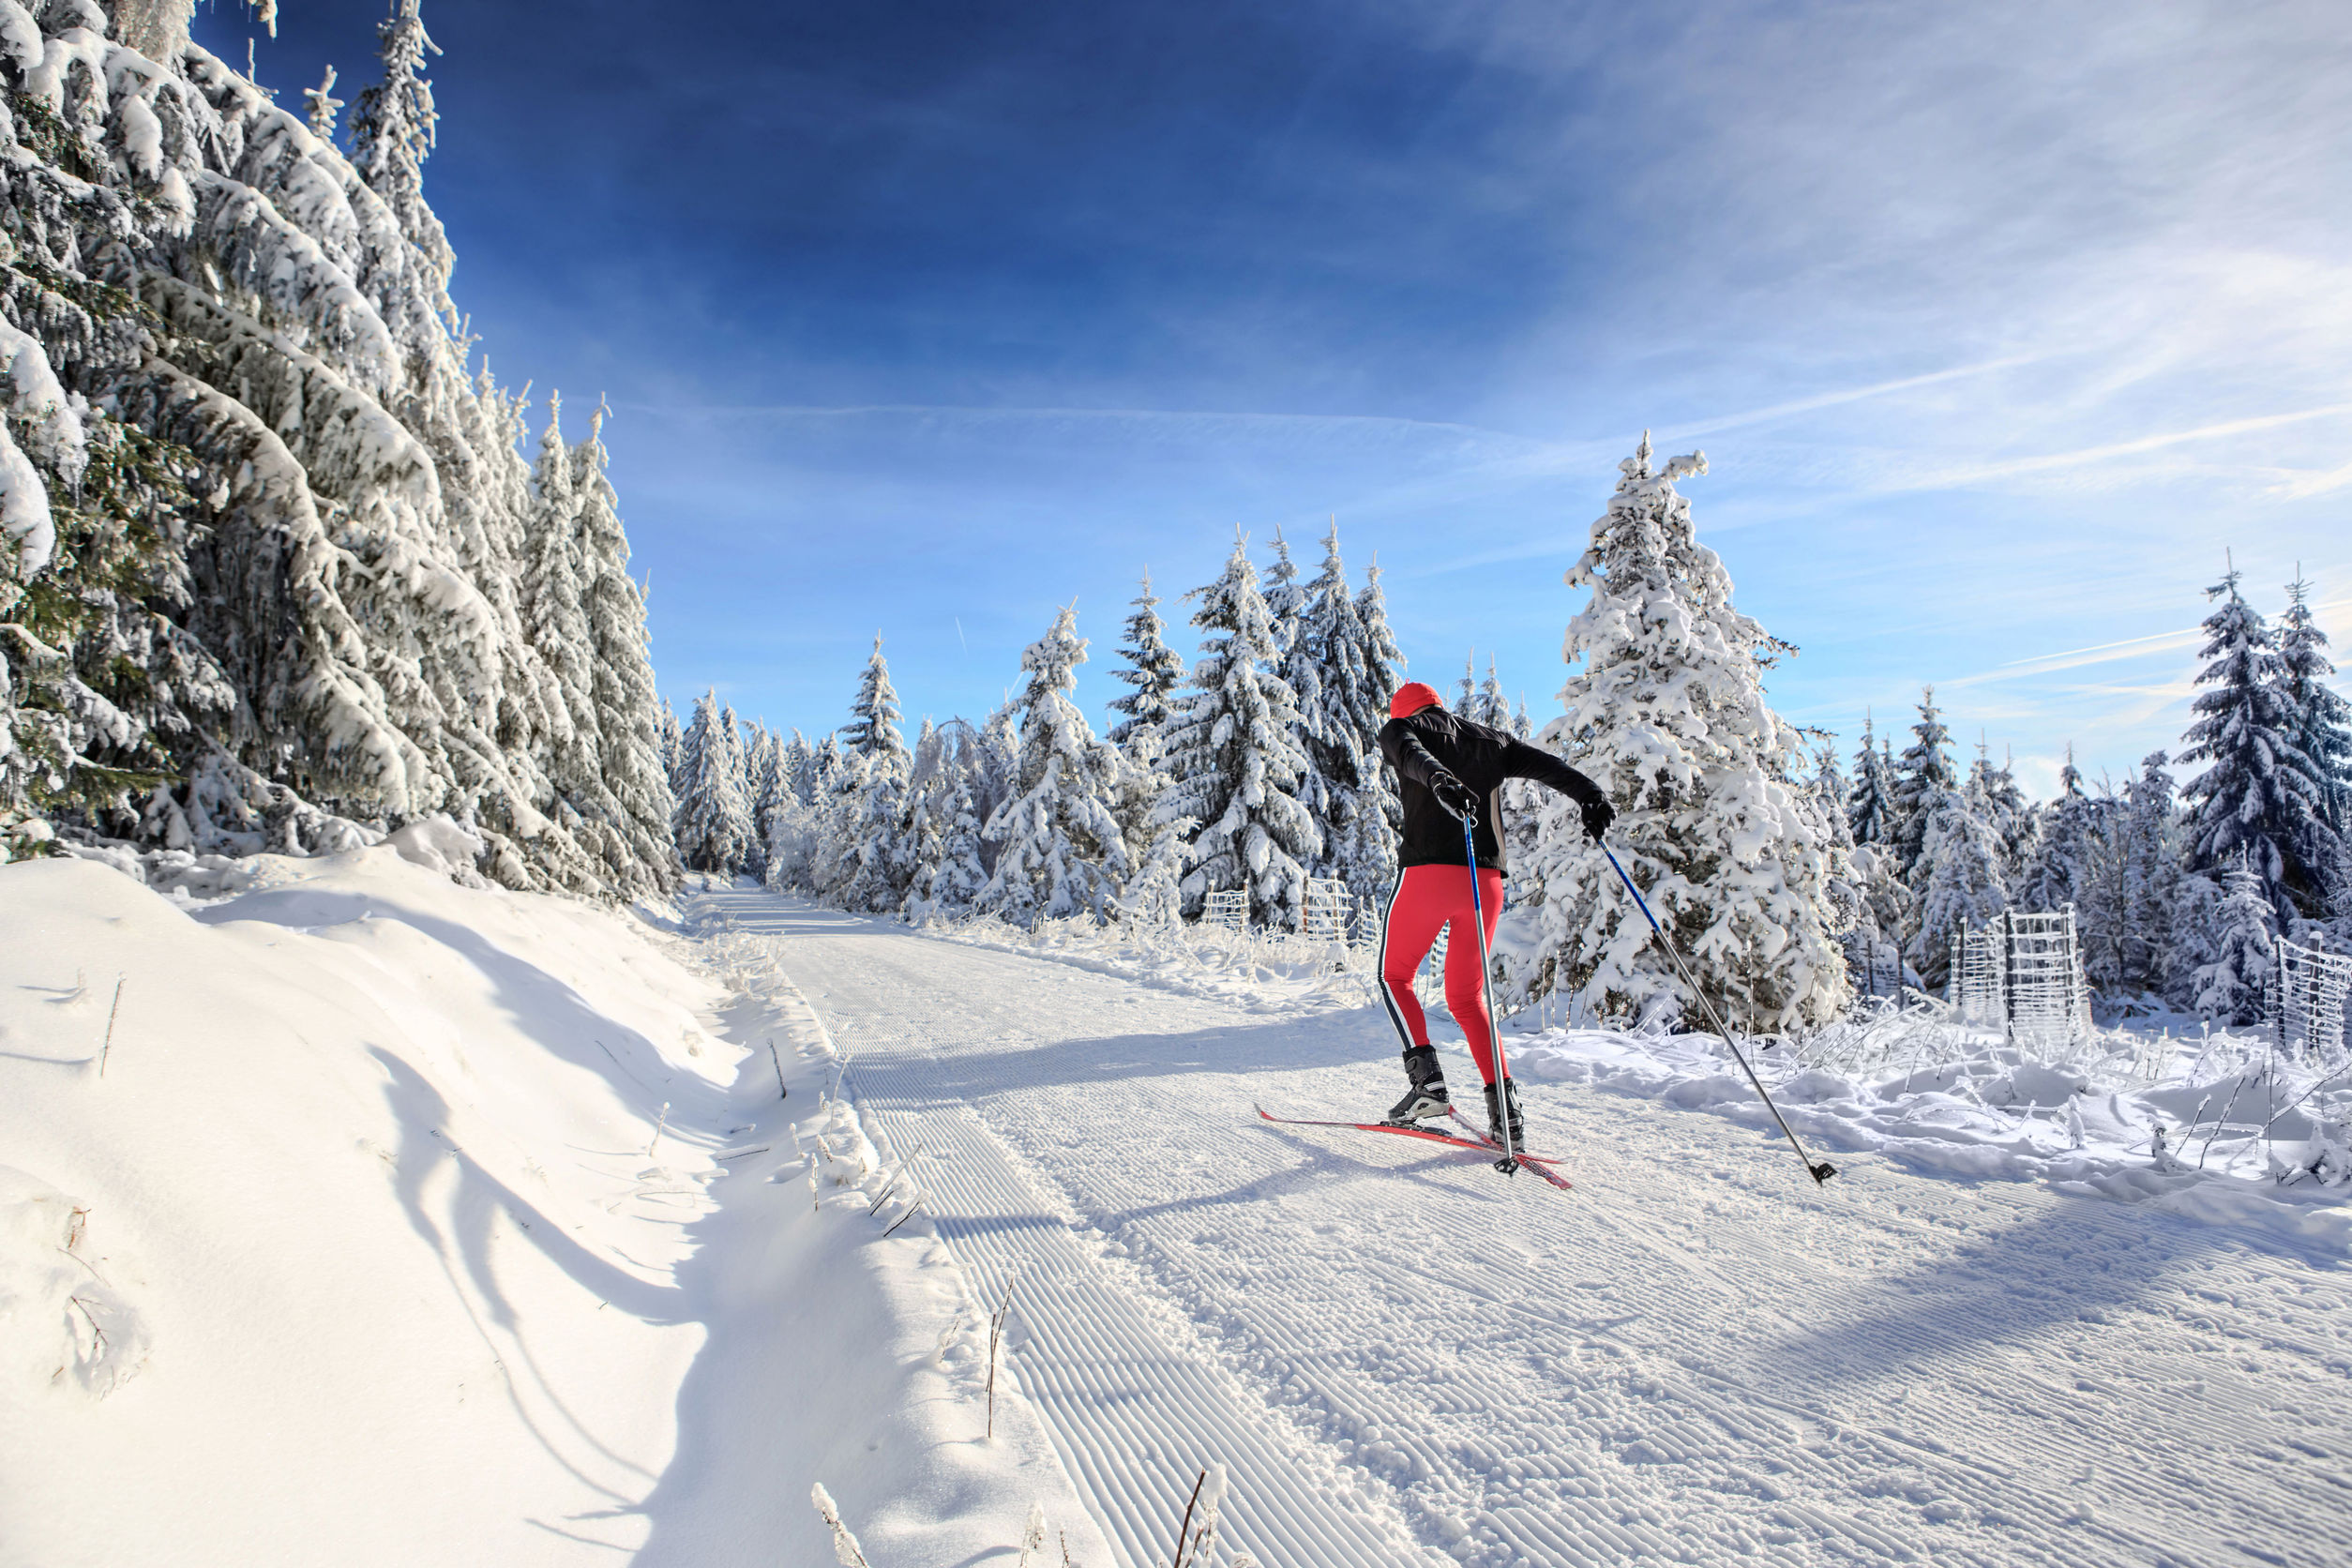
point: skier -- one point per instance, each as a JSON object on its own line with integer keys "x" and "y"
{"x": 1448, "y": 769}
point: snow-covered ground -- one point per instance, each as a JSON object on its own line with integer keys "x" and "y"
{"x": 397, "y": 1257}
{"x": 1695, "y": 1358}
{"x": 359, "y": 1235}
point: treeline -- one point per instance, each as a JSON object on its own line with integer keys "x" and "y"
{"x": 1253, "y": 767}
{"x": 1790, "y": 879}
{"x": 2180, "y": 890}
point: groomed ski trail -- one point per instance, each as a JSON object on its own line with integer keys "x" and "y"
{"x": 1405, "y": 1358}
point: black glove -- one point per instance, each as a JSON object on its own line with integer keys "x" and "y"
{"x": 1598, "y": 814}
{"x": 1454, "y": 796}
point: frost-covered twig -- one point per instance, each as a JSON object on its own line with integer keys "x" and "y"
{"x": 912, "y": 1210}
{"x": 845, "y": 1547}
{"x": 660, "y": 1125}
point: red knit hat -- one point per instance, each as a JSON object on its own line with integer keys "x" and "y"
{"x": 1411, "y": 697}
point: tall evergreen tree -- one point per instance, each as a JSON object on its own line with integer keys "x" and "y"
{"x": 1155, "y": 670}
{"x": 1383, "y": 671}
{"x": 628, "y": 732}
{"x": 1667, "y": 713}
{"x": 2059, "y": 869}
{"x": 1959, "y": 874}
{"x": 1923, "y": 777}
{"x": 1870, "y": 807}
{"x": 1343, "y": 706}
{"x": 1060, "y": 850}
{"x": 2322, "y": 723}
{"x": 1492, "y": 707}
{"x": 2150, "y": 855}
{"x": 2260, "y": 800}
{"x": 873, "y": 727}
{"x": 2231, "y": 985}
{"x": 393, "y": 131}
{"x": 714, "y": 821}
{"x": 1285, "y": 600}
{"x": 1233, "y": 758}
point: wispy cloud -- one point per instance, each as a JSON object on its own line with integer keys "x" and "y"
{"x": 1977, "y": 474}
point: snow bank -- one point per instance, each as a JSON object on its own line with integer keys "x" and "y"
{"x": 1986, "y": 1111}
{"x": 378, "y": 1223}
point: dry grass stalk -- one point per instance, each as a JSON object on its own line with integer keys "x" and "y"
{"x": 996, "y": 1337}
{"x": 111, "y": 1012}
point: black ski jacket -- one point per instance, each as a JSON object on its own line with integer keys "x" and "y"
{"x": 1421, "y": 746}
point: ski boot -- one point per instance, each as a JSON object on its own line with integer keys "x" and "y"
{"x": 1427, "y": 1096}
{"x": 1494, "y": 1115}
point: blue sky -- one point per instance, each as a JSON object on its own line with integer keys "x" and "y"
{"x": 1999, "y": 323}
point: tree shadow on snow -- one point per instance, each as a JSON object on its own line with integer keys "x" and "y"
{"x": 2072, "y": 1263}
{"x": 461, "y": 1238}
{"x": 541, "y": 1007}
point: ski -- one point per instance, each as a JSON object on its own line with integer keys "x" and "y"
{"x": 1540, "y": 1164}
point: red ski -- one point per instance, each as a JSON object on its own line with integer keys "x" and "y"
{"x": 1540, "y": 1164}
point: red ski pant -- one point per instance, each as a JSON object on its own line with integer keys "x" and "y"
{"x": 1427, "y": 898}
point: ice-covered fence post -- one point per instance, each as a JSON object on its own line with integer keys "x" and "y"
{"x": 1323, "y": 913}
{"x": 2009, "y": 971}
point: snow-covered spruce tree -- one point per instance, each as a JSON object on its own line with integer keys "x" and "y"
{"x": 1959, "y": 877}
{"x": 873, "y": 727}
{"x": 1341, "y": 725}
{"x": 1667, "y": 713}
{"x": 325, "y": 613}
{"x": 2321, "y": 729}
{"x": 1923, "y": 777}
{"x": 553, "y": 601}
{"x": 2230, "y": 985}
{"x": 714, "y": 823}
{"x": 2148, "y": 836}
{"x": 672, "y": 739}
{"x": 1155, "y": 670}
{"x": 2259, "y": 801}
{"x": 1328, "y": 670}
{"x": 1373, "y": 854}
{"x": 1060, "y": 849}
{"x": 1870, "y": 807}
{"x": 629, "y": 740}
{"x": 2056, "y": 874}
{"x": 393, "y": 130}
{"x": 956, "y": 885}
{"x": 1285, "y": 600}
{"x": 1234, "y": 759}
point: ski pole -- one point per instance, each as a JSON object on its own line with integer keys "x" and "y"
{"x": 1509, "y": 1164}
{"x": 1820, "y": 1173}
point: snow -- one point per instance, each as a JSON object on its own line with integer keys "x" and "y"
{"x": 398, "y": 1257}
{"x": 380, "y": 1188}
{"x": 1976, "y": 1345}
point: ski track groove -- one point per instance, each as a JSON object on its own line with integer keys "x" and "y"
{"x": 1692, "y": 1358}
